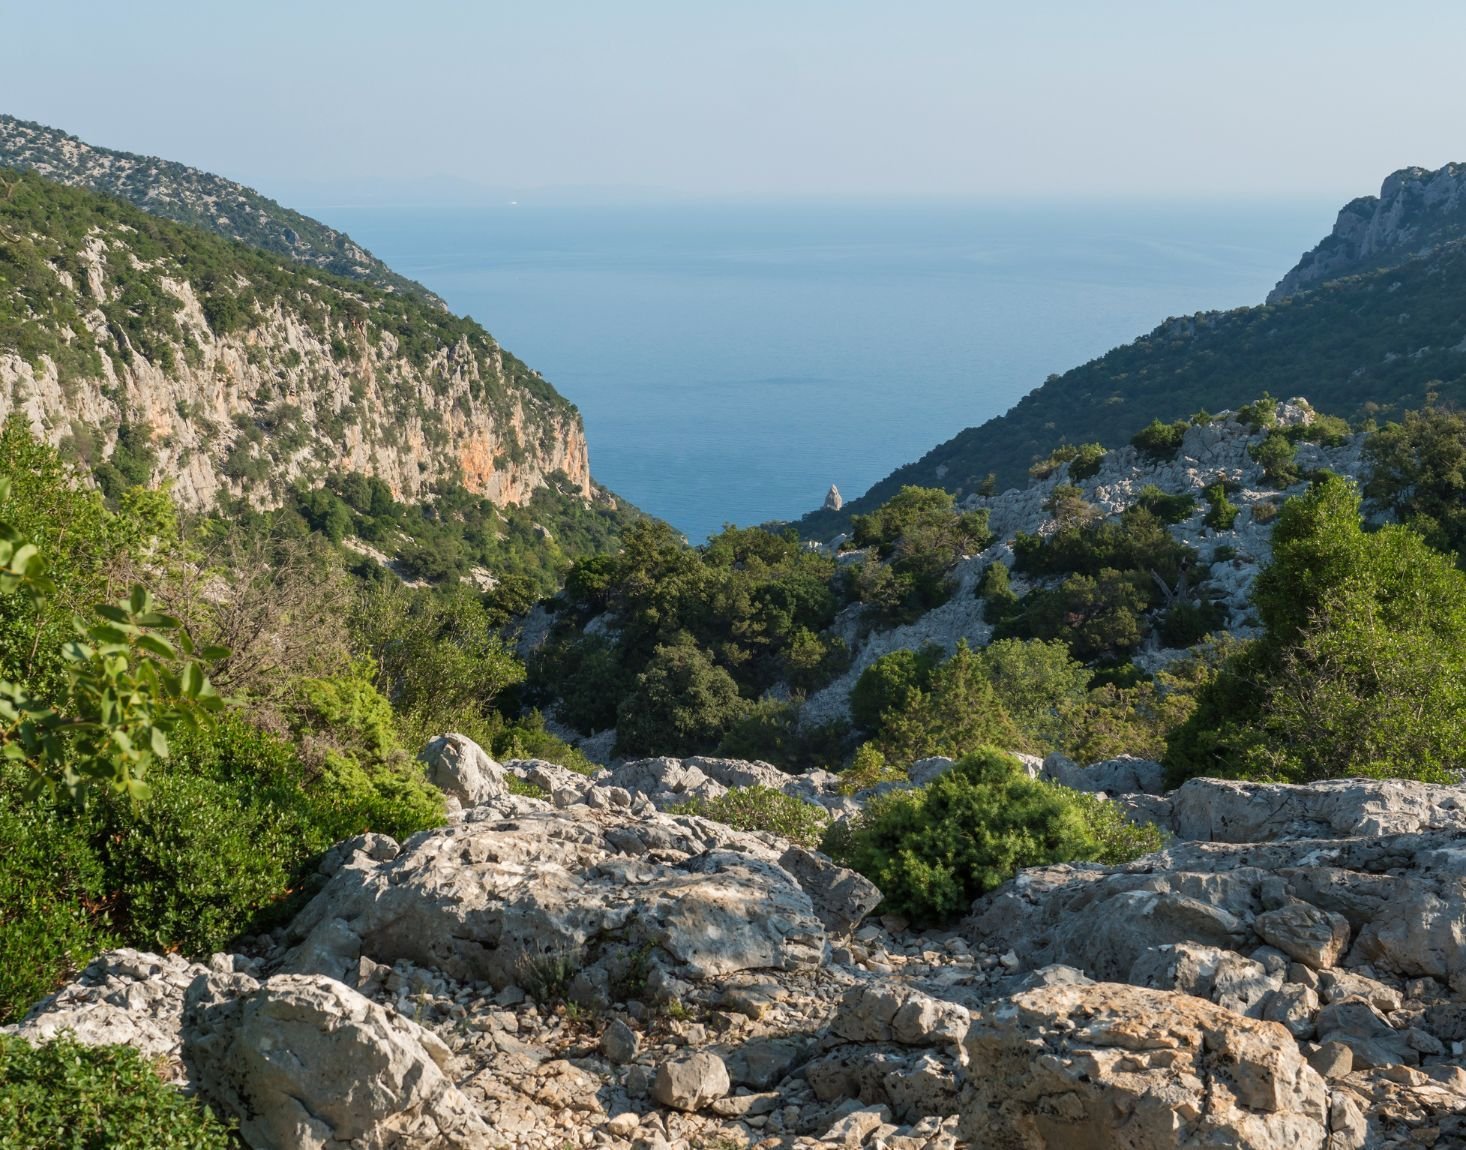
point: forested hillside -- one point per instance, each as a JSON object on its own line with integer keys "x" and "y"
{"x": 1372, "y": 341}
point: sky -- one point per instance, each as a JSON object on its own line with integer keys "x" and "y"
{"x": 754, "y": 99}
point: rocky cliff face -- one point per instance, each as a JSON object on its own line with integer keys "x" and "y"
{"x": 238, "y": 375}
{"x": 1416, "y": 210}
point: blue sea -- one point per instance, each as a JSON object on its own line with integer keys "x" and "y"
{"x": 732, "y": 361}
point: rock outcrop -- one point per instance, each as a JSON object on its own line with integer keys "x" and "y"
{"x": 590, "y": 970}
{"x": 277, "y": 378}
{"x": 1416, "y": 210}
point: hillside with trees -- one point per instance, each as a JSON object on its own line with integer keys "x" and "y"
{"x": 1370, "y": 341}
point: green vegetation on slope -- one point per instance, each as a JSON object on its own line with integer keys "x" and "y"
{"x": 336, "y": 685}
{"x": 196, "y": 198}
{"x": 1365, "y": 344}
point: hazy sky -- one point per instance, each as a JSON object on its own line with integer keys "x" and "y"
{"x": 767, "y": 98}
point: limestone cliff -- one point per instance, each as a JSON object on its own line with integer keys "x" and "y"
{"x": 1416, "y": 210}
{"x": 237, "y": 374}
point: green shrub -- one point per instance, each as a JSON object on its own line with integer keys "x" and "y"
{"x": 891, "y": 683}
{"x": 51, "y": 884}
{"x": 1260, "y": 413}
{"x": 1361, "y": 666}
{"x": 1159, "y": 440}
{"x": 1277, "y": 455}
{"x": 867, "y": 769}
{"x": 770, "y": 730}
{"x": 682, "y": 702}
{"x": 1167, "y": 508}
{"x": 760, "y": 808}
{"x": 1088, "y": 458}
{"x": 1189, "y": 621}
{"x": 63, "y": 1095}
{"x": 933, "y": 851}
{"x": 1223, "y": 512}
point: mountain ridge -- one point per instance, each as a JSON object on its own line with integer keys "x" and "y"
{"x": 189, "y": 195}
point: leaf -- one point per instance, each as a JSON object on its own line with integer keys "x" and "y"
{"x": 160, "y": 743}
{"x": 139, "y": 600}
{"x": 114, "y": 613}
{"x": 158, "y": 620}
{"x": 193, "y": 681}
{"x": 156, "y": 646}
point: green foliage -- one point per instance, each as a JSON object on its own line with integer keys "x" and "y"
{"x": 933, "y": 851}
{"x": 1418, "y": 471}
{"x": 1260, "y": 413}
{"x": 1084, "y": 461}
{"x": 681, "y": 703}
{"x": 869, "y": 768}
{"x": 771, "y": 731}
{"x": 128, "y": 686}
{"x": 1222, "y": 512}
{"x": 51, "y": 886}
{"x": 760, "y": 808}
{"x": 63, "y": 1095}
{"x": 1037, "y": 684}
{"x": 1168, "y": 508}
{"x": 1360, "y": 670}
{"x": 918, "y": 536}
{"x": 892, "y": 683}
{"x": 1098, "y": 616}
{"x": 1159, "y": 440}
{"x": 957, "y": 711}
{"x": 749, "y": 609}
{"x": 1276, "y": 453}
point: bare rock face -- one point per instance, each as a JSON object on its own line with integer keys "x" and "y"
{"x": 307, "y": 1062}
{"x": 512, "y": 895}
{"x": 1231, "y": 811}
{"x": 1107, "y": 1066}
{"x": 462, "y": 769}
{"x": 833, "y": 501}
{"x": 692, "y": 1082}
{"x": 124, "y": 997}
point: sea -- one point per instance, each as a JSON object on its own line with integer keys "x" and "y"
{"x": 732, "y": 361}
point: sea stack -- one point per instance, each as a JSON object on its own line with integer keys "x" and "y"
{"x": 833, "y": 502}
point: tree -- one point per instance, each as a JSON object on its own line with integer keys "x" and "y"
{"x": 682, "y": 703}
{"x": 1361, "y": 669}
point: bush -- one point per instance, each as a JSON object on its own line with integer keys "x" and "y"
{"x": 1223, "y": 512}
{"x": 682, "y": 703}
{"x": 891, "y": 683}
{"x": 50, "y": 885}
{"x": 771, "y": 731}
{"x": 63, "y": 1095}
{"x": 1277, "y": 456}
{"x": 1361, "y": 669}
{"x": 1167, "y": 508}
{"x": 1088, "y": 458}
{"x": 933, "y": 851}
{"x": 760, "y": 808}
{"x": 1159, "y": 440}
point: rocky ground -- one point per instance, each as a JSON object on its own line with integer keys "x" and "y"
{"x": 589, "y": 970}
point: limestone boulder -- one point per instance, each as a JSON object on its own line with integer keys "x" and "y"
{"x": 1110, "y": 1066}
{"x": 1317, "y": 938}
{"x": 691, "y": 1082}
{"x": 523, "y": 895}
{"x": 308, "y": 1063}
{"x": 463, "y": 770}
